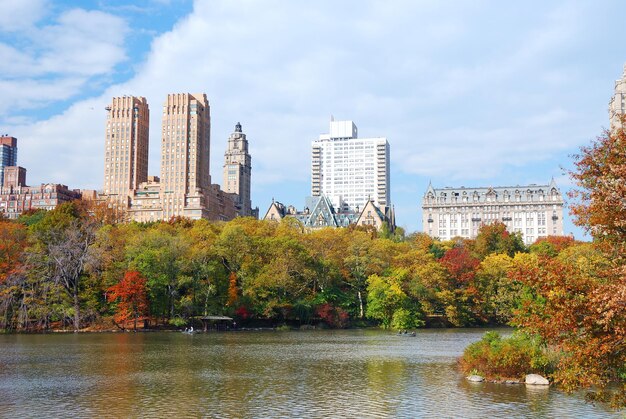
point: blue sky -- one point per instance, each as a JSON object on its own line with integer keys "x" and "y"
{"x": 468, "y": 93}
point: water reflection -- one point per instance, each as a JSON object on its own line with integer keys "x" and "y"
{"x": 259, "y": 374}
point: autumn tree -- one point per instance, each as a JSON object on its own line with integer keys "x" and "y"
{"x": 131, "y": 296}
{"x": 578, "y": 299}
{"x": 159, "y": 254}
{"x": 494, "y": 238}
{"x": 13, "y": 240}
{"x": 500, "y": 295}
{"x": 388, "y": 302}
{"x": 461, "y": 297}
{"x": 62, "y": 250}
{"x": 360, "y": 262}
{"x": 600, "y": 199}
{"x": 574, "y": 306}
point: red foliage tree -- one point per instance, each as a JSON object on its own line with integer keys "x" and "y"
{"x": 580, "y": 313}
{"x": 242, "y": 312}
{"x": 132, "y": 296}
{"x": 332, "y": 316}
{"x": 12, "y": 244}
{"x": 460, "y": 264}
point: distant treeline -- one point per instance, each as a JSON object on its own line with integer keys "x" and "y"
{"x": 76, "y": 266}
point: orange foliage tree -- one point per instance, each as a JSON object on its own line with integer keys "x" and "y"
{"x": 132, "y": 296}
{"x": 12, "y": 243}
{"x": 573, "y": 309}
{"x": 600, "y": 205}
{"x": 579, "y": 303}
{"x": 233, "y": 290}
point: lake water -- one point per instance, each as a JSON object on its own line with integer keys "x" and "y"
{"x": 350, "y": 373}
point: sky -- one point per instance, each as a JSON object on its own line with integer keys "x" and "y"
{"x": 468, "y": 93}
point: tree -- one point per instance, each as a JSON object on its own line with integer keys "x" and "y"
{"x": 499, "y": 294}
{"x": 600, "y": 199}
{"x": 494, "y": 238}
{"x": 461, "y": 298}
{"x": 62, "y": 250}
{"x": 360, "y": 262}
{"x": 159, "y": 254}
{"x": 132, "y": 297}
{"x": 388, "y": 302}
{"x": 579, "y": 312}
{"x": 13, "y": 240}
{"x": 577, "y": 300}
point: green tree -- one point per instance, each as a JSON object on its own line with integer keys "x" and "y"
{"x": 388, "y": 302}
{"x": 495, "y": 238}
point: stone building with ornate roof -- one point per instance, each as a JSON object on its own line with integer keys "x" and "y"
{"x": 536, "y": 211}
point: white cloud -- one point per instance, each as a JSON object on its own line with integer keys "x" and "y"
{"x": 49, "y": 62}
{"x": 82, "y": 43}
{"x": 21, "y": 15}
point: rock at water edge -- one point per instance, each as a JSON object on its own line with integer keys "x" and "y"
{"x": 536, "y": 380}
{"x": 475, "y": 378}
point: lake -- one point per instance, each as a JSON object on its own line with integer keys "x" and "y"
{"x": 347, "y": 373}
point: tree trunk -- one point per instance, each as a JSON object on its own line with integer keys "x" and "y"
{"x": 76, "y": 310}
{"x": 361, "y": 314}
{"x": 170, "y": 293}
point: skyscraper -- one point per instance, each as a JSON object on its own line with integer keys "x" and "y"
{"x": 126, "y": 147}
{"x": 350, "y": 170}
{"x": 185, "y": 148}
{"x": 617, "y": 104}
{"x": 237, "y": 171}
{"x": 8, "y": 154}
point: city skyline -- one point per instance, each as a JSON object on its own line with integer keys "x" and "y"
{"x": 478, "y": 95}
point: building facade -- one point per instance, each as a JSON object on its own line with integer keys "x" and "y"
{"x": 237, "y": 171}
{"x": 617, "y": 104}
{"x": 16, "y": 200}
{"x": 126, "y": 147}
{"x": 536, "y": 211}
{"x": 350, "y": 170}
{"x": 14, "y": 176}
{"x": 185, "y": 155}
{"x": 8, "y": 154}
{"x": 319, "y": 212}
{"x": 184, "y": 187}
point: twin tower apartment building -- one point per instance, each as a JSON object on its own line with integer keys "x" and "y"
{"x": 184, "y": 187}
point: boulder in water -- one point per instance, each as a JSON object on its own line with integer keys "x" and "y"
{"x": 536, "y": 380}
{"x": 475, "y": 378}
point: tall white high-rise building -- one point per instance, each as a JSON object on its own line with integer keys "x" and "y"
{"x": 350, "y": 170}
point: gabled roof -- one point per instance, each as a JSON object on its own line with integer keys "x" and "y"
{"x": 386, "y": 217}
{"x": 322, "y": 213}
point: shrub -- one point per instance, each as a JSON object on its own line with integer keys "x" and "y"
{"x": 510, "y": 358}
